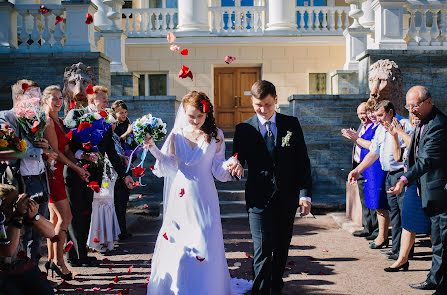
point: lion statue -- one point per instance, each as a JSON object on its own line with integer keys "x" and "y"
{"x": 386, "y": 82}
{"x": 76, "y": 79}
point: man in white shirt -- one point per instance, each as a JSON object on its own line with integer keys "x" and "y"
{"x": 382, "y": 148}
{"x": 31, "y": 166}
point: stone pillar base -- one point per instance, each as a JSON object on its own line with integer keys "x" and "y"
{"x": 344, "y": 82}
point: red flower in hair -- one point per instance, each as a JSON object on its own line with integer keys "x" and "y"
{"x": 138, "y": 172}
{"x": 72, "y": 104}
{"x": 25, "y": 87}
{"x": 88, "y": 19}
{"x": 89, "y": 89}
{"x": 205, "y": 105}
{"x": 103, "y": 114}
{"x": 58, "y": 19}
{"x": 84, "y": 125}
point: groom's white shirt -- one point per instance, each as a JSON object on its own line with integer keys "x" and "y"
{"x": 263, "y": 130}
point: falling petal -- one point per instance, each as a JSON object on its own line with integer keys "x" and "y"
{"x": 88, "y": 19}
{"x": 174, "y": 47}
{"x": 182, "y": 192}
{"x": 140, "y": 196}
{"x": 145, "y": 206}
{"x": 25, "y": 87}
{"x": 184, "y": 52}
{"x": 229, "y": 59}
{"x": 95, "y": 240}
{"x": 325, "y": 250}
{"x": 165, "y": 236}
{"x": 247, "y": 255}
{"x": 116, "y": 279}
{"x": 130, "y": 269}
{"x": 171, "y": 37}
{"x": 70, "y": 136}
{"x": 200, "y": 259}
{"x": 106, "y": 259}
{"x": 138, "y": 172}
{"x": 96, "y": 288}
{"x": 111, "y": 266}
{"x": 58, "y": 19}
{"x": 68, "y": 246}
{"x": 43, "y": 9}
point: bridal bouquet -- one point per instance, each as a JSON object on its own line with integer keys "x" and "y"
{"x": 149, "y": 125}
{"x": 29, "y": 114}
{"x": 10, "y": 142}
{"x": 87, "y": 128}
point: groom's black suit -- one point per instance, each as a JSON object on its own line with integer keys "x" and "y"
{"x": 81, "y": 197}
{"x": 272, "y": 193}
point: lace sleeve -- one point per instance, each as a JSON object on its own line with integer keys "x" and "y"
{"x": 219, "y": 168}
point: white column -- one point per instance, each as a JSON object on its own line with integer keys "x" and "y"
{"x": 146, "y": 84}
{"x": 8, "y": 27}
{"x": 389, "y": 32}
{"x": 355, "y": 44}
{"x": 79, "y": 36}
{"x": 193, "y": 16}
{"x": 367, "y": 19}
{"x": 281, "y": 15}
{"x": 100, "y": 18}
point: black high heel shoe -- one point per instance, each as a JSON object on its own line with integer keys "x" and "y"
{"x": 385, "y": 243}
{"x": 404, "y": 267}
{"x": 64, "y": 276}
{"x": 47, "y": 266}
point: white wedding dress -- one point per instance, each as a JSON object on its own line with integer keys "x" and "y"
{"x": 189, "y": 256}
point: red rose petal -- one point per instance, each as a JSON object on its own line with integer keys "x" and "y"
{"x": 25, "y": 87}
{"x": 140, "y": 196}
{"x": 116, "y": 279}
{"x": 182, "y": 192}
{"x": 236, "y": 155}
{"x": 88, "y": 19}
{"x": 96, "y": 289}
{"x": 58, "y": 19}
{"x": 171, "y": 37}
{"x": 125, "y": 291}
{"x": 68, "y": 246}
{"x": 152, "y": 167}
{"x": 111, "y": 266}
{"x": 146, "y": 206}
{"x": 165, "y": 236}
{"x": 324, "y": 250}
{"x": 70, "y": 135}
{"x": 85, "y": 166}
{"x": 89, "y": 89}
{"x": 87, "y": 145}
{"x": 106, "y": 259}
{"x": 79, "y": 289}
{"x": 200, "y": 259}
{"x": 103, "y": 114}
{"x": 130, "y": 269}
{"x": 43, "y": 9}
{"x": 185, "y": 72}
{"x": 84, "y": 125}
{"x": 184, "y": 52}
{"x": 229, "y": 59}
{"x": 94, "y": 186}
{"x": 137, "y": 183}
{"x": 138, "y": 172}
{"x": 95, "y": 239}
{"x": 247, "y": 255}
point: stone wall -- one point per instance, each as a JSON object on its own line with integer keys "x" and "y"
{"x": 322, "y": 117}
{"x": 164, "y": 107}
{"x": 46, "y": 69}
{"x": 124, "y": 84}
{"x": 423, "y": 67}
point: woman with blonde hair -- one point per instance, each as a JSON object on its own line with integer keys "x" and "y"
{"x": 59, "y": 207}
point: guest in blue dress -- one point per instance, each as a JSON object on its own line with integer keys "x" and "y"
{"x": 414, "y": 221}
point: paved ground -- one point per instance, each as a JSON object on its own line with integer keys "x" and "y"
{"x": 326, "y": 260}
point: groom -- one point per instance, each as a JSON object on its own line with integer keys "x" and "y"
{"x": 279, "y": 182}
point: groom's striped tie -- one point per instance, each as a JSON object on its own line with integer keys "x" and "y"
{"x": 269, "y": 138}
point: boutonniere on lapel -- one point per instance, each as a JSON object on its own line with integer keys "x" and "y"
{"x": 286, "y": 139}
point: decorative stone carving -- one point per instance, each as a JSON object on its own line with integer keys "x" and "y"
{"x": 386, "y": 82}
{"x": 76, "y": 79}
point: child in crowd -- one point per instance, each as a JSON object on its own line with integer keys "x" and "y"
{"x": 123, "y": 127}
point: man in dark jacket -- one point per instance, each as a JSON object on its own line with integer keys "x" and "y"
{"x": 427, "y": 166}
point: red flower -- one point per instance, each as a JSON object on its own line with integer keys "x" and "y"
{"x": 236, "y": 155}
{"x": 87, "y": 145}
{"x": 85, "y": 166}
{"x": 70, "y": 135}
{"x": 229, "y": 59}
{"x": 182, "y": 192}
{"x": 43, "y": 9}
{"x": 94, "y": 186}
{"x": 200, "y": 259}
{"x": 103, "y": 114}
{"x": 130, "y": 269}
{"x": 111, "y": 266}
{"x": 95, "y": 239}
{"x": 89, "y": 89}
{"x": 137, "y": 183}
{"x": 68, "y": 246}
{"x": 25, "y": 87}
{"x": 138, "y": 172}
{"x": 58, "y": 19}
{"x": 185, "y": 72}
{"x": 205, "y": 105}
{"x": 88, "y": 19}
{"x": 152, "y": 167}
{"x": 72, "y": 104}
{"x": 83, "y": 126}
{"x": 116, "y": 279}
{"x": 184, "y": 52}
{"x": 165, "y": 236}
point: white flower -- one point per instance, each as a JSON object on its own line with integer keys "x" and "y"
{"x": 97, "y": 116}
{"x": 285, "y": 140}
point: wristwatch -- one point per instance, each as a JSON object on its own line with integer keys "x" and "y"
{"x": 36, "y": 217}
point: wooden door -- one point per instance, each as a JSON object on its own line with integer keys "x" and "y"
{"x": 232, "y": 99}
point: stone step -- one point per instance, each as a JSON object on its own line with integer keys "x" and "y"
{"x": 231, "y": 194}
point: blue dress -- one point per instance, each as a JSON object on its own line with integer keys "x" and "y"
{"x": 413, "y": 217}
{"x": 375, "y": 197}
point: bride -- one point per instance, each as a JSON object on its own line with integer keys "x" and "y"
{"x": 189, "y": 256}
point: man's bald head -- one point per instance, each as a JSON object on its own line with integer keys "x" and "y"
{"x": 419, "y": 101}
{"x": 361, "y": 113}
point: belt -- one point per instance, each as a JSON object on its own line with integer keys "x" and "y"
{"x": 395, "y": 171}
{"x": 42, "y": 176}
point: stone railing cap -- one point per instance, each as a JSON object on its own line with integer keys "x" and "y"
{"x": 317, "y": 97}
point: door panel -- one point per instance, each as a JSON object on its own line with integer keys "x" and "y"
{"x": 232, "y": 99}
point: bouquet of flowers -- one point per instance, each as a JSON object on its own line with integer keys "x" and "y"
{"x": 149, "y": 125}
{"x": 10, "y": 142}
{"x": 29, "y": 114}
{"x": 87, "y": 128}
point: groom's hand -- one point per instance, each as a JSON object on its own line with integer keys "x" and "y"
{"x": 304, "y": 207}
{"x": 129, "y": 182}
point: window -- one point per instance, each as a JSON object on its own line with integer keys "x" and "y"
{"x": 232, "y": 2}
{"x": 153, "y": 84}
{"x": 162, "y": 4}
{"x": 317, "y": 83}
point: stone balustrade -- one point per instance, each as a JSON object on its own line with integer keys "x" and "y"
{"x": 242, "y": 19}
{"x": 150, "y": 22}
{"x": 322, "y": 19}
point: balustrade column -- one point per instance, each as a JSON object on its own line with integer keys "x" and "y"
{"x": 79, "y": 36}
{"x": 114, "y": 38}
{"x": 367, "y": 19}
{"x": 100, "y": 18}
{"x": 281, "y": 15}
{"x": 193, "y": 16}
{"x": 388, "y": 19}
{"x": 8, "y": 23}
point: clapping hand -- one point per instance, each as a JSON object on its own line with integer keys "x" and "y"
{"x": 397, "y": 126}
{"x": 390, "y": 128}
{"x": 350, "y": 134}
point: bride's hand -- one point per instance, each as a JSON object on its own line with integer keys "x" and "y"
{"x": 235, "y": 168}
{"x": 148, "y": 143}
